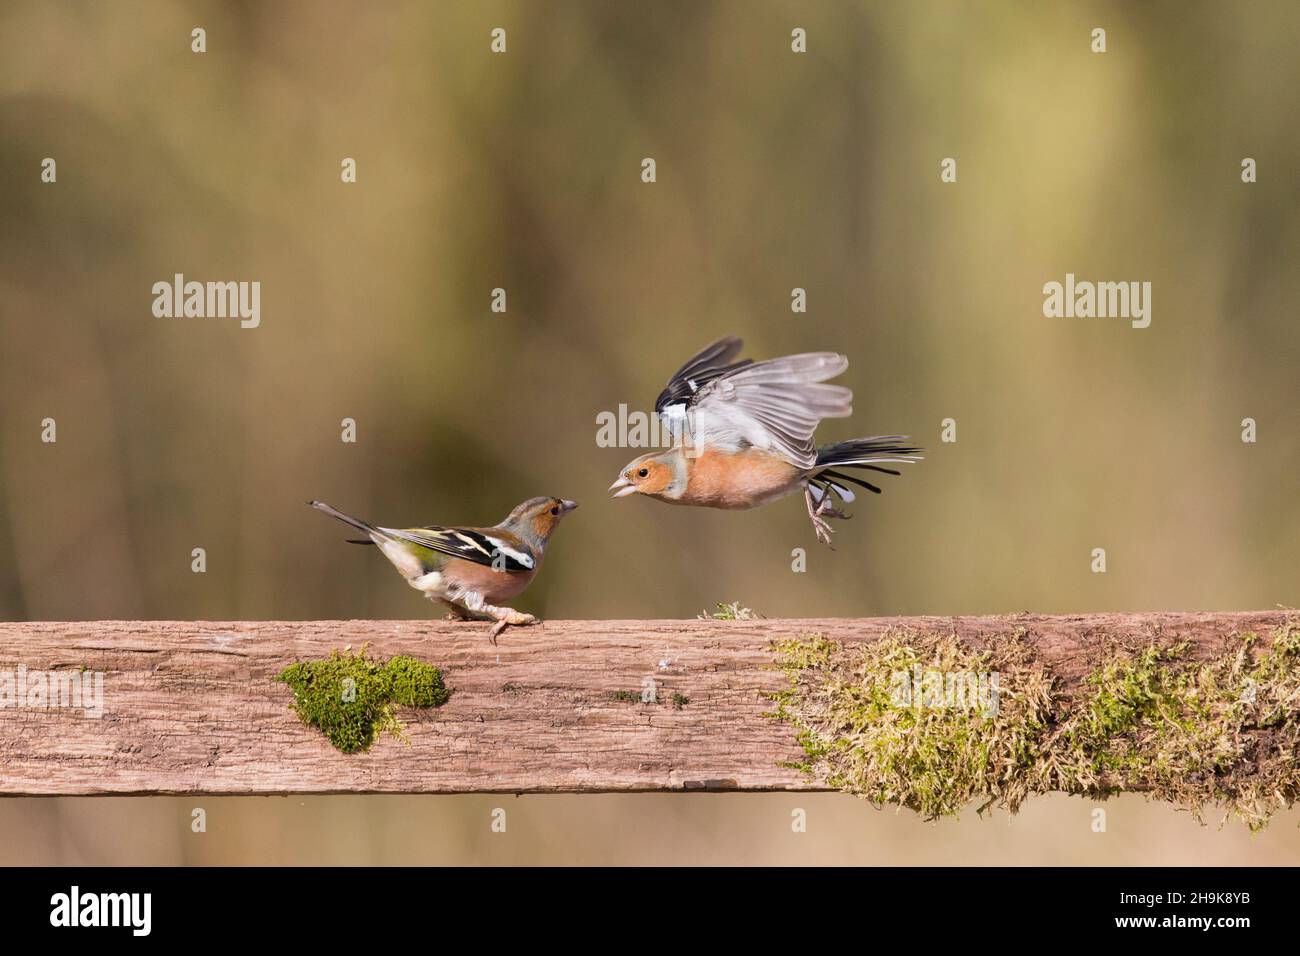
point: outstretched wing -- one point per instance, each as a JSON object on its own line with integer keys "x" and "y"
{"x": 714, "y": 361}
{"x": 480, "y": 545}
{"x": 774, "y": 405}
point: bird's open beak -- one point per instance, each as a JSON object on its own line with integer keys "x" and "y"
{"x": 567, "y": 504}
{"x": 622, "y": 488}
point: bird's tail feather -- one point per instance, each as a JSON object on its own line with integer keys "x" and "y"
{"x": 868, "y": 454}
{"x": 346, "y": 519}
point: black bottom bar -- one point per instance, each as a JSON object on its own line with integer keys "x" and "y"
{"x": 349, "y": 907}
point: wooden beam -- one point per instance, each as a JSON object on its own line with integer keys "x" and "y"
{"x": 192, "y": 707}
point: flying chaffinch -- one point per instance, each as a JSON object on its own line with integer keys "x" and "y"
{"x": 742, "y": 436}
{"x": 470, "y": 570}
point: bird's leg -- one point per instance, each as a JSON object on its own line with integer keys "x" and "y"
{"x": 454, "y": 611}
{"x": 820, "y": 525}
{"x": 825, "y": 509}
{"x": 505, "y": 616}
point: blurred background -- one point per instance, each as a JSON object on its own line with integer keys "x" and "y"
{"x": 522, "y": 171}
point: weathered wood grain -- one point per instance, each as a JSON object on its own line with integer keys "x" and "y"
{"x": 191, "y": 707}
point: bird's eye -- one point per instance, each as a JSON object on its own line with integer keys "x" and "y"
{"x": 643, "y": 472}
{"x": 555, "y": 510}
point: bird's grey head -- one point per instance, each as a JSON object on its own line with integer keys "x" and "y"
{"x": 535, "y": 519}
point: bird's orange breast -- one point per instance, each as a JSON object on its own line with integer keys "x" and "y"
{"x": 492, "y": 584}
{"x": 736, "y": 480}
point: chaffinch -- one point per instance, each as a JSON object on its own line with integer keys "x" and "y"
{"x": 742, "y": 436}
{"x": 470, "y": 570}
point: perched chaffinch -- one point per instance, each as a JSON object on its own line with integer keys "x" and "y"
{"x": 742, "y": 436}
{"x": 470, "y": 570}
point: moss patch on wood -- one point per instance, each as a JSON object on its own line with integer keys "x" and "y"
{"x": 352, "y": 699}
{"x": 926, "y": 722}
{"x": 733, "y": 611}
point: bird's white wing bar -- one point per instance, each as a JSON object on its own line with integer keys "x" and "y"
{"x": 519, "y": 557}
{"x": 469, "y": 544}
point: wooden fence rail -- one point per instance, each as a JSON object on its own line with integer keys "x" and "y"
{"x": 193, "y": 707}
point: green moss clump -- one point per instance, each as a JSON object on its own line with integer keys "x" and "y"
{"x": 1222, "y": 732}
{"x": 1149, "y": 718}
{"x": 352, "y": 698}
{"x": 845, "y": 706}
{"x": 416, "y": 684}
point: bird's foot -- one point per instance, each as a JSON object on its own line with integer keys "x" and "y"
{"x": 825, "y": 510}
{"x": 505, "y": 618}
{"x": 820, "y": 525}
{"x": 823, "y": 531}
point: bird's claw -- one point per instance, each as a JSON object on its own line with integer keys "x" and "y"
{"x": 819, "y": 512}
{"x": 517, "y": 618}
{"x": 823, "y": 530}
{"x": 822, "y": 510}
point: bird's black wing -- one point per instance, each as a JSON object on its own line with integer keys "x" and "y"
{"x": 712, "y": 363}
{"x": 485, "y": 546}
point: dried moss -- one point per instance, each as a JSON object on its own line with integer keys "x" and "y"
{"x": 733, "y": 611}
{"x": 1223, "y": 732}
{"x": 858, "y": 736}
{"x": 352, "y": 698}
